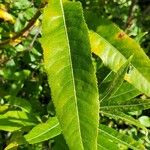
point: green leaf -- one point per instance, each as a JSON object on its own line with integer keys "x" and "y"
{"x": 116, "y": 82}
{"x": 127, "y": 106}
{"x": 108, "y": 144}
{"x": 12, "y": 75}
{"x": 124, "y": 93}
{"x": 60, "y": 143}
{"x": 44, "y": 131}
{"x": 71, "y": 75}
{"x": 14, "y": 120}
{"x": 15, "y": 140}
{"x": 117, "y": 137}
{"x": 19, "y": 102}
{"x": 3, "y": 108}
{"x": 145, "y": 120}
{"x": 114, "y": 50}
{"x": 120, "y": 115}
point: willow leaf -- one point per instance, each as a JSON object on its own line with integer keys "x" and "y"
{"x": 114, "y": 50}
{"x": 117, "y": 137}
{"x": 60, "y": 143}
{"x": 15, "y": 120}
{"x": 124, "y": 93}
{"x": 104, "y": 144}
{"x": 120, "y": 115}
{"x": 44, "y": 131}
{"x": 127, "y": 106}
{"x": 71, "y": 74}
{"x": 19, "y": 102}
{"x": 117, "y": 82}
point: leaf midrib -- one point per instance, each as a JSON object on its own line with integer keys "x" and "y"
{"x": 73, "y": 80}
{"x": 42, "y": 133}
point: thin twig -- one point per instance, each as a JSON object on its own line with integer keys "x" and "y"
{"x": 19, "y": 34}
{"x": 28, "y": 27}
{"x": 32, "y": 42}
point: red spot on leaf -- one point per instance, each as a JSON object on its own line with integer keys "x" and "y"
{"x": 121, "y": 35}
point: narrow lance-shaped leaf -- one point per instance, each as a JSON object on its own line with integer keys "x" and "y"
{"x": 124, "y": 93}
{"x": 120, "y": 115}
{"x": 44, "y": 131}
{"x": 117, "y": 82}
{"x": 104, "y": 143}
{"x": 111, "y": 134}
{"x": 114, "y": 47}
{"x": 14, "y": 120}
{"x": 71, "y": 75}
{"x": 19, "y": 102}
{"x": 127, "y": 106}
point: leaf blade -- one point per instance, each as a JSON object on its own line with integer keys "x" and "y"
{"x": 112, "y": 57}
{"x": 119, "y": 138}
{"x": 14, "y": 120}
{"x": 120, "y": 115}
{"x": 117, "y": 82}
{"x": 69, "y": 57}
{"x": 44, "y": 131}
{"x": 128, "y": 106}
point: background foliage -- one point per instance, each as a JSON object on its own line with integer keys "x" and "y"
{"x": 22, "y": 75}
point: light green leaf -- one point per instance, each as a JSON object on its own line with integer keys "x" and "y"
{"x": 19, "y": 102}
{"x": 116, "y": 82}
{"x": 105, "y": 143}
{"x": 120, "y": 115}
{"x": 124, "y": 93}
{"x": 12, "y": 75}
{"x": 145, "y": 120}
{"x": 3, "y": 108}
{"x": 14, "y": 120}
{"x": 44, "y": 131}
{"x": 117, "y": 137}
{"x": 114, "y": 50}
{"x": 127, "y": 106}
{"x": 71, "y": 75}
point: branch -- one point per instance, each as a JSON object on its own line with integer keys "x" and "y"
{"x": 19, "y": 34}
{"x": 130, "y": 13}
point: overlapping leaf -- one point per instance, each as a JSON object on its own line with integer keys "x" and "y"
{"x": 113, "y": 135}
{"x": 44, "y": 131}
{"x": 14, "y": 120}
{"x": 116, "y": 83}
{"x": 124, "y": 93}
{"x": 127, "y": 106}
{"x": 104, "y": 144}
{"x": 114, "y": 47}
{"x": 120, "y": 115}
{"x": 19, "y": 102}
{"x": 70, "y": 72}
